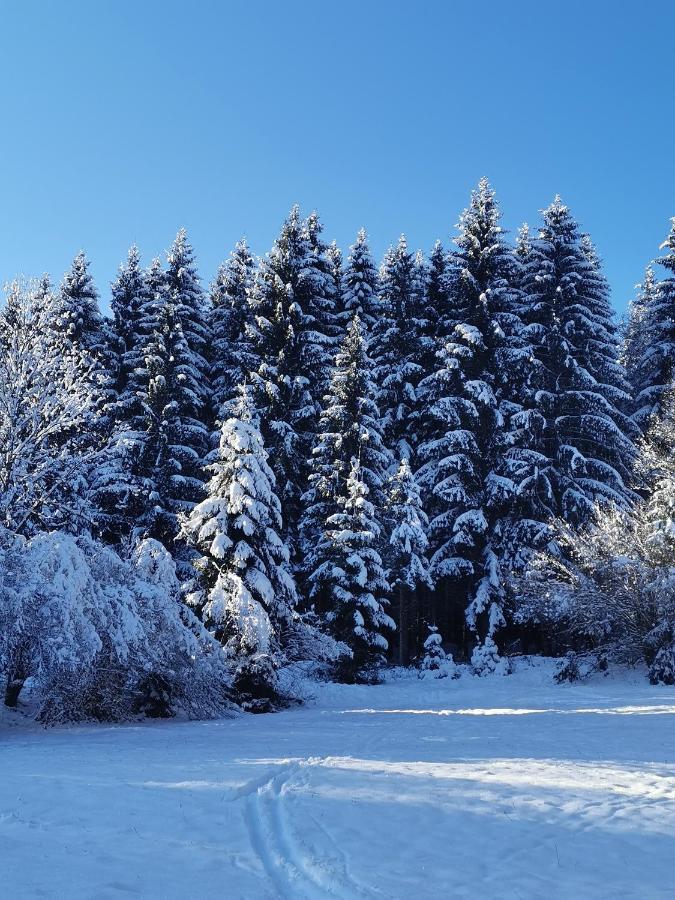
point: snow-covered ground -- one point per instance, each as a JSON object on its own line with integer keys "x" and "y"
{"x": 479, "y": 788}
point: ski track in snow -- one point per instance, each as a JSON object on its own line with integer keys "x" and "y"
{"x": 297, "y": 870}
{"x": 503, "y": 789}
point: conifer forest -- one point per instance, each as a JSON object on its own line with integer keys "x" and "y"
{"x": 325, "y": 460}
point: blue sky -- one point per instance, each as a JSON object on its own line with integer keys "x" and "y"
{"x": 124, "y": 121}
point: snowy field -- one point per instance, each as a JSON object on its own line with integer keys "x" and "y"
{"x": 501, "y": 788}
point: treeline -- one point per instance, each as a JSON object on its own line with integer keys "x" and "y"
{"x": 340, "y": 461}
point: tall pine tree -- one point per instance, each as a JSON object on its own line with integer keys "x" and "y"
{"x": 229, "y": 315}
{"x": 405, "y": 555}
{"x": 360, "y": 285}
{"x": 397, "y": 347}
{"x": 292, "y": 337}
{"x": 349, "y": 428}
{"x": 468, "y": 399}
{"x": 652, "y": 335}
{"x": 351, "y": 578}
{"x": 245, "y": 593}
{"x": 580, "y": 433}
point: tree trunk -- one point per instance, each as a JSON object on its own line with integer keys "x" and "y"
{"x": 403, "y": 627}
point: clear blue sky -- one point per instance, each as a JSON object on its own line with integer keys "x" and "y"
{"x": 122, "y": 121}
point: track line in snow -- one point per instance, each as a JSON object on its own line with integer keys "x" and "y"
{"x": 296, "y": 870}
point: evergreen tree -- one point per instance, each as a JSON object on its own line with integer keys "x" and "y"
{"x": 468, "y": 399}
{"x": 336, "y": 265}
{"x": 351, "y": 578}
{"x": 439, "y": 294}
{"x": 156, "y": 466}
{"x": 636, "y": 343}
{"x": 573, "y": 448}
{"x": 78, "y": 320}
{"x": 245, "y": 593}
{"x": 76, "y": 330}
{"x": 349, "y": 428}
{"x": 360, "y": 285}
{"x": 180, "y": 315}
{"x": 436, "y": 662}
{"x": 322, "y": 329}
{"x": 523, "y": 243}
{"x": 292, "y": 336}
{"x": 118, "y": 487}
{"x": 613, "y": 584}
{"x": 132, "y": 328}
{"x": 229, "y": 315}
{"x": 184, "y": 296}
{"x": 75, "y": 323}
{"x": 407, "y": 565}
{"x": 398, "y": 347}
{"x": 168, "y": 398}
{"x": 650, "y": 352}
{"x": 583, "y": 449}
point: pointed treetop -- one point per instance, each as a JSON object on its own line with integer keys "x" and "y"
{"x": 244, "y": 407}
{"x": 668, "y": 261}
{"x": 479, "y": 223}
{"x": 523, "y": 241}
{"x": 558, "y": 223}
{"x": 133, "y": 259}
{"x": 77, "y": 281}
{"x": 180, "y": 253}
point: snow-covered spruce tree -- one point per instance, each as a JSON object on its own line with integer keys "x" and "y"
{"x": 144, "y": 375}
{"x": 156, "y": 465}
{"x": 397, "y": 347}
{"x": 323, "y": 330}
{"x": 611, "y": 584}
{"x": 359, "y": 285}
{"x": 440, "y": 295}
{"x": 351, "y": 581}
{"x": 48, "y": 408}
{"x": 174, "y": 399}
{"x": 651, "y": 337}
{"x": 337, "y": 320}
{"x": 468, "y": 400}
{"x": 436, "y": 663}
{"x": 75, "y": 326}
{"x": 102, "y": 637}
{"x": 573, "y": 441}
{"x": 292, "y": 338}
{"x": 523, "y": 246}
{"x": 245, "y": 593}
{"x": 117, "y": 487}
{"x": 73, "y": 321}
{"x": 77, "y": 319}
{"x": 578, "y": 446}
{"x": 132, "y": 327}
{"x": 185, "y": 299}
{"x": 230, "y": 312}
{"x": 636, "y": 343}
{"x": 349, "y": 428}
{"x": 405, "y": 557}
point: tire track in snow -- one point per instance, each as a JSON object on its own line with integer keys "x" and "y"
{"x": 296, "y": 870}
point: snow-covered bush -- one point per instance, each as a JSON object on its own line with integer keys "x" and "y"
{"x": 436, "y": 663}
{"x": 99, "y": 634}
{"x": 575, "y": 666}
{"x": 485, "y": 659}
